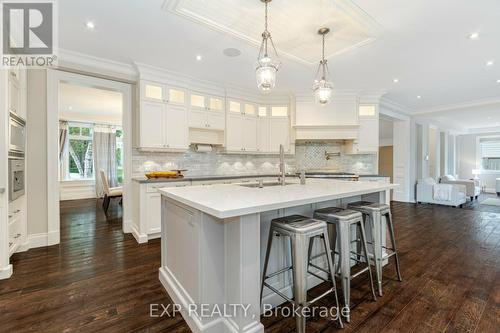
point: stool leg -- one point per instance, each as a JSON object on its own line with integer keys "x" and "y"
{"x": 332, "y": 230}
{"x": 266, "y": 260}
{"x": 299, "y": 254}
{"x": 388, "y": 218}
{"x": 331, "y": 268}
{"x": 345, "y": 264}
{"x": 365, "y": 252}
{"x": 376, "y": 226}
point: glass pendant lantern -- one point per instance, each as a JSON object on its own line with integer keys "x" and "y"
{"x": 322, "y": 88}
{"x": 267, "y": 66}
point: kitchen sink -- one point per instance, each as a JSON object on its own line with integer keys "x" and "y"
{"x": 264, "y": 184}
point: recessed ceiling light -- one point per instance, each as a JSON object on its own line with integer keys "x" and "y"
{"x": 90, "y": 25}
{"x": 474, "y": 35}
{"x": 231, "y": 52}
{"x": 199, "y": 57}
{"x": 490, "y": 63}
{"x": 395, "y": 80}
{"x": 70, "y": 108}
{"x": 419, "y": 97}
{"x": 498, "y": 81}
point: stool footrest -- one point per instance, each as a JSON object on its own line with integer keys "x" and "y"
{"x": 286, "y": 269}
{"x": 319, "y": 277}
{"x": 279, "y": 292}
{"x": 360, "y": 272}
{"x": 319, "y": 268}
{"x": 320, "y": 296}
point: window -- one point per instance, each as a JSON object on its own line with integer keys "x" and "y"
{"x": 77, "y": 163}
{"x": 367, "y": 110}
{"x": 489, "y": 149}
{"x": 80, "y": 164}
{"x": 119, "y": 156}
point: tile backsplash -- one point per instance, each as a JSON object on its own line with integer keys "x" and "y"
{"x": 217, "y": 162}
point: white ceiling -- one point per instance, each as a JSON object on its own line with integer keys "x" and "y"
{"x": 423, "y": 43}
{"x": 80, "y": 103}
{"x": 471, "y": 118}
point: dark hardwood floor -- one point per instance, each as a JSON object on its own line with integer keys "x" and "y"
{"x": 99, "y": 280}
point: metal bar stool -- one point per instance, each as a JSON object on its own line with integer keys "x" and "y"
{"x": 373, "y": 214}
{"x": 302, "y": 231}
{"x": 342, "y": 220}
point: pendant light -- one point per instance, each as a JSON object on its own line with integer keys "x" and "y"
{"x": 322, "y": 88}
{"x": 266, "y": 66}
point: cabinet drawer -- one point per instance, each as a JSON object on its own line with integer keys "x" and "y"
{"x": 14, "y": 230}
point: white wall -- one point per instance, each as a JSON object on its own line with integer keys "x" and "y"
{"x": 36, "y": 153}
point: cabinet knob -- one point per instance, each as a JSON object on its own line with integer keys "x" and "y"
{"x": 13, "y": 74}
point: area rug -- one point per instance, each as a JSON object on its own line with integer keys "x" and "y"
{"x": 491, "y": 202}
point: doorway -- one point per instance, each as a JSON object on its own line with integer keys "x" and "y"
{"x": 89, "y": 127}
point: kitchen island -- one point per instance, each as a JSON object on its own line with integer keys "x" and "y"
{"x": 213, "y": 244}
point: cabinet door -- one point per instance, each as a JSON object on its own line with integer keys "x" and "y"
{"x": 216, "y": 120}
{"x": 153, "y": 92}
{"x": 176, "y": 96}
{"x": 368, "y": 135}
{"x": 151, "y": 128}
{"x": 263, "y": 134}
{"x": 176, "y": 127}
{"x": 249, "y": 133}
{"x": 153, "y": 212}
{"x": 197, "y": 119}
{"x": 234, "y": 137}
{"x": 197, "y": 102}
{"x": 279, "y": 134}
{"x": 216, "y": 104}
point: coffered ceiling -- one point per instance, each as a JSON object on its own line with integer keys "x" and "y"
{"x": 293, "y": 23}
{"x": 424, "y": 43}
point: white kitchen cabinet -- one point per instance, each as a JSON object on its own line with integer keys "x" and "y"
{"x": 153, "y": 212}
{"x": 368, "y": 137}
{"x": 279, "y": 134}
{"x": 151, "y": 126}
{"x": 241, "y": 133}
{"x": 263, "y": 134}
{"x": 206, "y": 112}
{"x": 249, "y": 132}
{"x": 175, "y": 127}
{"x": 234, "y": 136}
{"x": 163, "y": 126}
{"x": 152, "y": 91}
{"x": 216, "y": 120}
{"x": 14, "y": 94}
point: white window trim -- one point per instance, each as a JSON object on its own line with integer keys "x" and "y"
{"x": 479, "y": 164}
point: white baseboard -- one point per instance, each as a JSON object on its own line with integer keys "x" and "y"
{"x": 140, "y": 238}
{"x": 180, "y": 296}
{"x": 43, "y": 239}
{"x": 6, "y": 272}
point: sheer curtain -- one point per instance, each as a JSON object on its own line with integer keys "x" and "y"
{"x": 104, "y": 151}
{"x": 63, "y": 149}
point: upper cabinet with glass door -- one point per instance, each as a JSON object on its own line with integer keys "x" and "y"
{"x": 156, "y": 92}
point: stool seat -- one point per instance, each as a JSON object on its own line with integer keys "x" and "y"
{"x": 368, "y": 206}
{"x": 301, "y": 226}
{"x": 333, "y": 214}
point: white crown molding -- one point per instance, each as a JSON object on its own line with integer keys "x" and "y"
{"x": 104, "y": 65}
{"x": 484, "y": 130}
{"x": 387, "y": 104}
{"x": 469, "y": 104}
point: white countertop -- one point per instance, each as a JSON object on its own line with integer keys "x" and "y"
{"x": 230, "y": 200}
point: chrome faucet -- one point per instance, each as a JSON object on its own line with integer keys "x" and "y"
{"x": 282, "y": 179}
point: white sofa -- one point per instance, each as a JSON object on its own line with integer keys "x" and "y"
{"x": 428, "y": 191}
{"x": 473, "y": 189}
